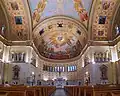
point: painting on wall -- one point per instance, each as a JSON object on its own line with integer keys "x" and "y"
{"x": 102, "y": 19}
{"x": 18, "y": 20}
{"x": 105, "y": 4}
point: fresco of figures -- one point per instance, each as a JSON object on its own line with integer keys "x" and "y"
{"x": 66, "y": 49}
{"x": 42, "y": 9}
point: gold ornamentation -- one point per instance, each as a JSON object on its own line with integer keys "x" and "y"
{"x": 38, "y": 11}
{"x": 81, "y": 10}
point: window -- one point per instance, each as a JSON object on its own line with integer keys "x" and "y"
{"x": 117, "y": 29}
{"x": 71, "y": 68}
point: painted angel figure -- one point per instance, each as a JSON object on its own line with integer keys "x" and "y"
{"x": 38, "y": 11}
{"x": 81, "y": 10}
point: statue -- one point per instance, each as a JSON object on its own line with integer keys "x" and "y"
{"x": 16, "y": 70}
{"x": 3, "y": 29}
{"x": 104, "y": 70}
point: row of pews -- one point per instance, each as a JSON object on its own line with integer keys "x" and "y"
{"x": 27, "y": 91}
{"x": 97, "y": 90}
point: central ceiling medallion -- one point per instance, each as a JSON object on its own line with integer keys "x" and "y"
{"x": 60, "y": 38}
{"x": 60, "y": 42}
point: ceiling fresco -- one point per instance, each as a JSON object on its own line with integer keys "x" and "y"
{"x": 59, "y": 27}
{"x": 17, "y": 19}
{"x": 60, "y": 39}
{"x": 103, "y": 19}
{"x": 78, "y": 9}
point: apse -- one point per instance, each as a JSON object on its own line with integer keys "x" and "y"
{"x": 60, "y": 38}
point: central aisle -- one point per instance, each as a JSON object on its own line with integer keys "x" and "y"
{"x": 59, "y": 92}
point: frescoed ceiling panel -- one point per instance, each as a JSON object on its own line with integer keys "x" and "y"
{"x": 60, "y": 38}
{"x": 18, "y": 19}
{"x": 102, "y": 19}
{"x": 77, "y": 9}
{"x": 55, "y": 38}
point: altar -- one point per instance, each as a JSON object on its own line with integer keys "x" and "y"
{"x": 60, "y": 82}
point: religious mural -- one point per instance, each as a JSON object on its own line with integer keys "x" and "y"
{"x": 81, "y": 10}
{"x": 102, "y": 22}
{"x": 60, "y": 38}
{"x": 60, "y": 47}
{"x": 42, "y": 9}
{"x": 106, "y": 4}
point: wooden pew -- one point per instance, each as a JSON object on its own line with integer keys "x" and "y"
{"x": 109, "y": 90}
{"x": 103, "y": 90}
{"x": 27, "y": 91}
{"x": 44, "y": 90}
{"x": 17, "y": 91}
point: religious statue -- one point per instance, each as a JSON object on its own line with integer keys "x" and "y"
{"x": 16, "y": 70}
{"x": 104, "y": 70}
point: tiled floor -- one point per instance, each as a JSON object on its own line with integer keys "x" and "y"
{"x": 59, "y": 92}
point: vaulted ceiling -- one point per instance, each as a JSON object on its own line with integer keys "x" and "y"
{"x": 55, "y": 23}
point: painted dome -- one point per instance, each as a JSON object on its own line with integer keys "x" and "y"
{"x": 60, "y": 38}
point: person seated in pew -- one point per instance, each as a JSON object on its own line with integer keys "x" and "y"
{"x": 79, "y": 83}
{"x": 6, "y": 84}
